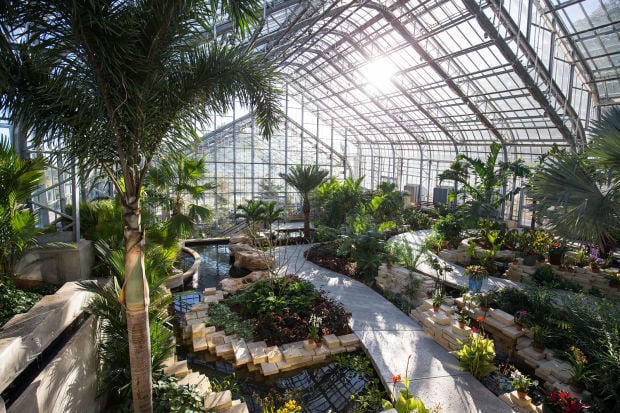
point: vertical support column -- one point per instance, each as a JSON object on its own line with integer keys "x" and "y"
{"x": 421, "y": 177}
{"x": 286, "y": 117}
{"x": 344, "y": 161}
{"x": 216, "y": 204}
{"x": 252, "y": 155}
{"x": 234, "y": 158}
{"x": 76, "y": 204}
{"x": 331, "y": 146}
{"x": 301, "y": 132}
{"x": 316, "y": 142}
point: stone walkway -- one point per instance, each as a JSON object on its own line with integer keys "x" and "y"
{"x": 391, "y": 339}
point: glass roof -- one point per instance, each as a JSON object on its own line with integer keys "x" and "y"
{"x": 451, "y": 73}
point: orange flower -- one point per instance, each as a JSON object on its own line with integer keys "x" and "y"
{"x": 480, "y": 319}
{"x": 395, "y": 378}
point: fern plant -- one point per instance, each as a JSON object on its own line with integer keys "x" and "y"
{"x": 477, "y": 357}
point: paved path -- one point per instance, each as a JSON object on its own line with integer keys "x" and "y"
{"x": 391, "y": 337}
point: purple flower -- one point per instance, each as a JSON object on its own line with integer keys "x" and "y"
{"x": 521, "y": 313}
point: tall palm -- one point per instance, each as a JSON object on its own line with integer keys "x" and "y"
{"x": 252, "y": 213}
{"x": 175, "y": 183}
{"x": 518, "y": 169}
{"x": 117, "y": 82}
{"x": 305, "y": 178}
{"x": 579, "y": 194}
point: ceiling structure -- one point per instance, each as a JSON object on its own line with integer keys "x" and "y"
{"x": 449, "y": 73}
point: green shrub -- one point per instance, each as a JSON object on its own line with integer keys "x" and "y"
{"x": 449, "y": 229}
{"x": 221, "y": 316}
{"x": 280, "y": 295}
{"x": 14, "y": 301}
{"x": 477, "y": 357}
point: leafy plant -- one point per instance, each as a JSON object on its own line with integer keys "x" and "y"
{"x": 449, "y": 229}
{"x": 477, "y": 356}
{"x": 476, "y": 272}
{"x": 14, "y": 301}
{"x": 168, "y": 396}
{"x": 403, "y": 401}
{"x": 221, "y": 316}
{"x": 367, "y": 250}
{"x": 520, "y": 381}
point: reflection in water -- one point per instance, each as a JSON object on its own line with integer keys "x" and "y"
{"x": 214, "y": 265}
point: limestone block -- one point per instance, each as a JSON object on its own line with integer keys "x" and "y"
{"x": 331, "y": 341}
{"x": 492, "y": 323}
{"x": 461, "y": 332}
{"x": 210, "y": 299}
{"x": 200, "y": 343}
{"x": 322, "y": 351}
{"x": 224, "y": 349}
{"x": 441, "y": 319}
{"x": 253, "y": 260}
{"x": 179, "y": 369}
{"x": 273, "y": 354}
{"x": 218, "y": 401}
{"x": 234, "y": 285}
{"x": 242, "y": 354}
{"x": 558, "y": 368}
{"x": 209, "y": 291}
{"x": 252, "y": 367}
{"x": 337, "y": 350}
{"x": 520, "y": 402}
{"x": 512, "y": 333}
{"x": 292, "y": 355}
{"x": 529, "y": 352}
{"x": 214, "y": 340}
{"x": 349, "y": 340}
{"x": 269, "y": 369}
{"x": 194, "y": 321}
{"x": 202, "y": 314}
{"x": 199, "y": 306}
{"x": 446, "y": 308}
{"x": 501, "y": 316}
{"x": 236, "y": 408}
{"x": 523, "y": 342}
{"x": 198, "y": 330}
{"x": 317, "y": 359}
{"x": 258, "y": 352}
{"x": 350, "y": 349}
{"x": 309, "y": 346}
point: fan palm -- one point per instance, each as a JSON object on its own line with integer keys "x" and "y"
{"x": 578, "y": 194}
{"x": 305, "y": 178}
{"x": 252, "y": 213}
{"x": 117, "y": 82}
{"x": 175, "y": 183}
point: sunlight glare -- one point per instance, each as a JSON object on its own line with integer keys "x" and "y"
{"x": 378, "y": 73}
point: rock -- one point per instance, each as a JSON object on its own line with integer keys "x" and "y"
{"x": 234, "y": 285}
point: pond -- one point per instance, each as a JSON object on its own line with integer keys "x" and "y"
{"x": 317, "y": 389}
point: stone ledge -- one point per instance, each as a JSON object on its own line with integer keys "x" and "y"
{"x": 25, "y": 336}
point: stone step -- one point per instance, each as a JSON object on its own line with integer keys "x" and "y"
{"x": 178, "y": 369}
{"x": 236, "y": 408}
{"x": 218, "y": 401}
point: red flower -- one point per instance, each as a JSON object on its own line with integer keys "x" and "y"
{"x": 395, "y": 378}
{"x": 474, "y": 329}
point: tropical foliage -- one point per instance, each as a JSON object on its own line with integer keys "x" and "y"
{"x": 305, "y": 179}
{"x": 578, "y": 194}
{"x": 175, "y": 183}
{"x": 115, "y": 83}
{"x": 19, "y": 178}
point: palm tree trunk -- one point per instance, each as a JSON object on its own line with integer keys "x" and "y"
{"x": 135, "y": 297}
{"x": 306, "y": 210}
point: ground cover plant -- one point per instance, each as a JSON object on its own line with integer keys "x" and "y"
{"x": 282, "y": 308}
{"x": 15, "y": 301}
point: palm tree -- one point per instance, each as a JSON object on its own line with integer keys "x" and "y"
{"x": 252, "y": 213}
{"x": 305, "y": 179}
{"x": 518, "y": 169}
{"x": 579, "y": 194}
{"x": 175, "y": 183}
{"x": 483, "y": 197}
{"x": 116, "y": 83}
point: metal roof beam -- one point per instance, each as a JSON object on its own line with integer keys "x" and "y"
{"x": 487, "y": 25}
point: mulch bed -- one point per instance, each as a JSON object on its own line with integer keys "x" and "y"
{"x": 326, "y": 258}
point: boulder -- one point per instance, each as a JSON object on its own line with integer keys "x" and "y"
{"x": 234, "y": 285}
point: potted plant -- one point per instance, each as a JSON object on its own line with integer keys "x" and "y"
{"x": 581, "y": 258}
{"x": 437, "y": 299}
{"x": 559, "y": 401}
{"x": 557, "y": 249}
{"x": 476, "y": 274}
{"x": 484, "y": 301}
{"x": 595, "y": 260}
{"x": 314, "y": 328}
{"x": 520, "y": 319}
{"x": 579, "y": 370}
{"x": 463, "y": 318}
{"x": 521, "y": 383}
{"x": 539, "y": 335}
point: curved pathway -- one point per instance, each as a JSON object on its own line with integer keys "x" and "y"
{"x": 391, "y": 338}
